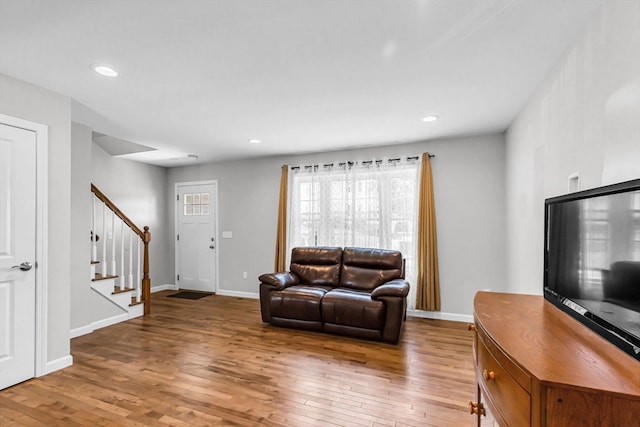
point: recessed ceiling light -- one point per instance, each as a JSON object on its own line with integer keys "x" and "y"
{"x": 431, "y": 118}
{"x": 254, "y": 141}
{"x": 105, "y": 70}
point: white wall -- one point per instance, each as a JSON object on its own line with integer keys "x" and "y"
{"x": 29, "y": 102}
{"x": 469, "y": 189}
{"x": 585, "y": 117}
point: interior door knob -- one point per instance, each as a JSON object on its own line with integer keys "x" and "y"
{"x": 25, "y": 266}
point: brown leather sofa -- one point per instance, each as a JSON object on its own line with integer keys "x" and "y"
{"x": 622, "y": 284}
{"x": 352, "y": 291}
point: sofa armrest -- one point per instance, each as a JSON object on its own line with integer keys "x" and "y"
{"x": 279, "y": 280}
{"x": 394, "y": 296}
{"x": 394, "y": 288}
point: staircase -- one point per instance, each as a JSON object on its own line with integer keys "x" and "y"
{"x": 126, "y": 298}
{"x": 119, "y": 257}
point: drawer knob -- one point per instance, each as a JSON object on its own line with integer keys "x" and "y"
{"x": 488, "y": 375}
{"x": 476, "y": 408}
{"x": 471, "y": 327}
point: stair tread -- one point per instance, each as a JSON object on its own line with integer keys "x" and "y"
{"x": 101, "y": 277}
{"x": 117, "y": 290}
{"x": 134, "y": 303}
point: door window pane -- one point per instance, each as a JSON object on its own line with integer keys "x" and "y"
{"x": 196, "y": 204}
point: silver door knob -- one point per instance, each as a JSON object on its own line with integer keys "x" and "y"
{"x": 25, "y": 266}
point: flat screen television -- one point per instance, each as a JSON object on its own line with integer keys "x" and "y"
{"x": 592, "y": 260}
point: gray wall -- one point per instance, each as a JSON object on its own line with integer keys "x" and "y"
{"x": 29, "y": 102}
{"x": 87, "y": 306}
{"x": 139, "y": 190}
{"x": 469, "y": 189}
{"x": 585, "y": 118}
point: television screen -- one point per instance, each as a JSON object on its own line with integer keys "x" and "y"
{"x": 592, "y": 260}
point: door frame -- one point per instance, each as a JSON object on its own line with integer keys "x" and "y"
{"x": 214, "y": 211}
{"x": 42, "y": 240}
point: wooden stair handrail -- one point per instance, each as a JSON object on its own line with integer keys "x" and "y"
{"x": 100, "y": 195}
{"x": 146, "y": 238}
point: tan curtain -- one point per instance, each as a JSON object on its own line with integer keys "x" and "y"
{"x": 281, "y": 237}
{"x": 428, "y": 286}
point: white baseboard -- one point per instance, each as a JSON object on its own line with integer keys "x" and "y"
{"x": 251, "y": 295}
{"x": 103, "y": 323}
{"x": 110, "y": 321}
{"x": 440, "y": 315}
{"x": 165, "y": 287}
{"x": 61, "y": 363}
{"x": 82, "y": 330}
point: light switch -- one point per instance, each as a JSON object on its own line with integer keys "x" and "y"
{"x": 227, "y": 234}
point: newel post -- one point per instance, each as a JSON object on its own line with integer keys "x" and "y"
{"x": 146, "y": 281}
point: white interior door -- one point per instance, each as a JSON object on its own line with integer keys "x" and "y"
{"x": 17, "y": 254}
{"x": 196, "y": 240}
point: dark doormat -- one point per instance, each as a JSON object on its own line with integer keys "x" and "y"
{"x": 190, "y": 295}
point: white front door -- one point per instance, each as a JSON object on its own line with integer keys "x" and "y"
{"x": 196, "y": 240}
{"x": 17, "y": 254}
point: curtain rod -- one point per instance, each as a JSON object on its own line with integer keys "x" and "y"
{"x": 365, "y": 162}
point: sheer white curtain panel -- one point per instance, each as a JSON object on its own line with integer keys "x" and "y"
{"x": 366, "y": 204}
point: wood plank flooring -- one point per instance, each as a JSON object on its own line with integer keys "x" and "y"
{"x": 213, "y": 362}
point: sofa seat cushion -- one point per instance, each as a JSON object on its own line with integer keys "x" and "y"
{"x": 298, "y": 302}
{"x": 353, "y": 308}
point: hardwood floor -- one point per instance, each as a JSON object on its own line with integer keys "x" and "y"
{"x": 212, "y": 362}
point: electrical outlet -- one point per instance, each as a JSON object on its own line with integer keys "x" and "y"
{"x": 244, "y": 274}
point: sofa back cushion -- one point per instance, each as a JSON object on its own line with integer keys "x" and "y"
{"x": 622, "y": 282}
{"x": 318, "y": 265}
{"x": 365, "y": 269}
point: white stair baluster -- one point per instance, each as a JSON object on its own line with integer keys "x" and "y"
{"x": 114, "y": 274}
{"x": 113, "y": 244}
{"x": 139, "y": 275}
{"x": 104, "y": 240}
{"x": 130, "y": 280}
{"x": 122, "y": 284}
{"x": 94, "y": 245}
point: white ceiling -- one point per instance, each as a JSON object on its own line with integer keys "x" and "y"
{"x": 204, "y": 76}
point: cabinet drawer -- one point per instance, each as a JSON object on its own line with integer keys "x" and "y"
{"x": 504, "y": 394}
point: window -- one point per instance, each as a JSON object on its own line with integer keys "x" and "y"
{"x": 368, "y": 205}
{"x": 610, "y": 232}
{"x": 196, "y": 204}
{"x": 596, "y": 236}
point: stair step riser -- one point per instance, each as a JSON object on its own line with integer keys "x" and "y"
{"x": 106, "y": 287}
{"x": 136, "y": 311}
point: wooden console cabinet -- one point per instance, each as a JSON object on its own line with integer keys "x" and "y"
{"x": 537, "y": 366}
